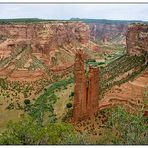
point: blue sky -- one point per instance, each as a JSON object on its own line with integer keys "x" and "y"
{"x": 67, "y": 11}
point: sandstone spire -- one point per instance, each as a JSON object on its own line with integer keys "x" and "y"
{"x": 80, "y": 87}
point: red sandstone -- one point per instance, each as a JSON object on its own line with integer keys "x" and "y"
{"x": 79, "y": 88}
{"x": 137, "y": 39}
{"x": 93, "y": 91}
{"x": 86, "y": 97}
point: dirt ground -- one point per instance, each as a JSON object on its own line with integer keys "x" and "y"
{"x": 60, "y": 105}
{"x": 7, "y": 115}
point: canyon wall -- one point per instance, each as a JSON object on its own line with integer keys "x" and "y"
{"x": 45, "y": 38}
{"x": 137, "y": 39}
{"x": 54, "y": 43}
{"x": 49, "y": 46}
{"x": 101, "y": 80}
{"x": 114, "y": 33}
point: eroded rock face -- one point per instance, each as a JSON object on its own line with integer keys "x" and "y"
{"x": 80, "y": 87}
{"x": 46, "y": 37}
{"x": 137, "y": 39}
{"x": 53, "y": 44}
{"x": 86, "y": 97}
{"x": 93, "y": 90}
{"x": 108, "y": 32}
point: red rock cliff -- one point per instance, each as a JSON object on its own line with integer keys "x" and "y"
{"x": 80, "y": 87}
{"x": 108, "y": 32}
{"x": 93, "y": 91}
{"x": 137, "y": 39}
{"x": 54, "y": 44}
{"x": 86, "y": 97}
{"x": 46, "y": 37}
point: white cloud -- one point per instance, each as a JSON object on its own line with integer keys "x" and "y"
{"x": 67, "y": 11}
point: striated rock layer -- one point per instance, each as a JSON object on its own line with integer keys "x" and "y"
{"x": 106, "y": 33}
{"x": 137, "y": 39}
{"x": 93, "y": 90}
{"x": 86, "y": 97}
{"x": 79, "y": 88}
{"x": 49, "y": 46}
{"x": 44, "y": 38}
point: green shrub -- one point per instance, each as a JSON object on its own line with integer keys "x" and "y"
{"x": 10, "y": 106}
{"x": 27, "y": 132}
{"x": 108, "y": 137}
{"x": 90, "y": 60}
{"x": 2, "y": 37}
{"x": 72, "y": 94}
{"x": 45, "y": 89}
{"x": 27, "y": 101}
{"x": 69, "y": 105}
{"x": 132, "y": 129}
{"x": 68, "y": 115}
{"x": 3, "y": 84}
{"x": 100, "y": 63}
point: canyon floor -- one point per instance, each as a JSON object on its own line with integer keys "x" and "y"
{"x": 131, "y": 94}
